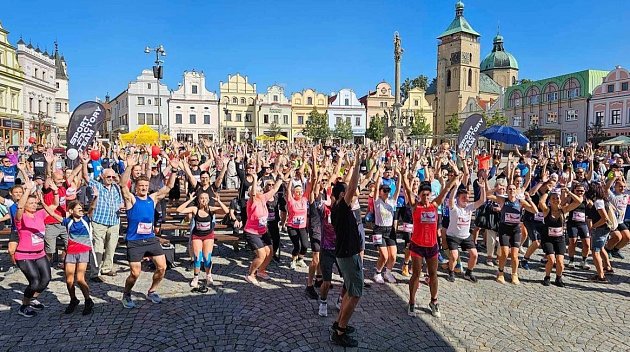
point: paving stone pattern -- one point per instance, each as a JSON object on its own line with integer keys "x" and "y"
{"x": 236, "y": 316}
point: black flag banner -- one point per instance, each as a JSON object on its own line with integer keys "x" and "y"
{"x": 470, "y": 131}
{"x": 86, "y": 119}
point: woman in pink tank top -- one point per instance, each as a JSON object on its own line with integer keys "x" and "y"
{"x": 297, "y": 208}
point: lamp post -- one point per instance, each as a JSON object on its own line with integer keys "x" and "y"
{"x": 158, "y": 74}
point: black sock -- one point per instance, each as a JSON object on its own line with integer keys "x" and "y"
{"x": 450, "y": 272}
{"x": 434, "y": 300}
{"x": 584, "y": 259}
{"x": 468, "y": 271}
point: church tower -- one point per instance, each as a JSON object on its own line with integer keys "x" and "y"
{"x": 457, "y": 68}
{"x": 500, "y": 65}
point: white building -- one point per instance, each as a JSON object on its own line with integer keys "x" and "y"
{"x": 274, "y": 107}
{"x": 38, "y": 94}
{"x": 193, "y": 110}
{"x": 344, "y": 106}
{"x": 62, "y": 100}
{"x": 138, "y": 105}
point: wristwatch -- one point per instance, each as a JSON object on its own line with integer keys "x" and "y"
{"x": 174, "y": 169}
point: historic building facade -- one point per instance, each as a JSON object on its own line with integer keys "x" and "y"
{"x": 378, "y": 102}
{"x": 609, "y": 108}
{"x": 461, "y": 75}
{"x": 344, "y": 106}
{"x": 62, "y": 95}
{"x": 415, "y": 107}
{"x": 302, "y": 103}
{"x": 139, "y": 105}
{"x": 238, "y": 101}
{"x": 274, "y": 109}
{"x": 11, "y": 86}
{"x": 554, "y": 108}
{"x": 193, "y": 110}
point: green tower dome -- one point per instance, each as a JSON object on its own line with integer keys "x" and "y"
{"x": 498, "y": 58}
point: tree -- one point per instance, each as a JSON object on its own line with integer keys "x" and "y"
{"x": 317, "y": 126}
{"x": 376, "y": 130}
{"x": 420, "y": 127}
{"x": 343, "y": 130}
{"x": 496, "y": 119}
{"x": 452, "y": 125}
{"x": 421, "y": 81}
{"x": 274, "y": 129}
{"x": 524, "y": 81}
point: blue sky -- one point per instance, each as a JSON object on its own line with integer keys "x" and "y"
{"x": 326, "y": 45}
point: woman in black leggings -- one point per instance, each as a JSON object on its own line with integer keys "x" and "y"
{"x": 273, "y": 218}
{"x": 29, "y": 254}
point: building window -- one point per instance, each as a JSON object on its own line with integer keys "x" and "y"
{"x": 248, "y": 117}
{"x": 470, "y": 77}
{"x": 178, "y": 119}
{"x": 30, "y": 104}
{"x": 320, "y": 102}
{"x": 243, "y": 101}
{"x": 265, "y": 118}
{"x": 513, "y": 80}
{"x": 300, "y": 120}
{"x": 47, "y": 109}
{"x": 615, "y": 117}
{"x": 39, "y": 105}
{"x": 66, "y": 107}
{"x": 552, "y": 117}
{"x": 574, "y": 93}
{"x": 158, "y": 101}
{"x": 610, "y": 88}
{"x": 347, "y": 102}
{"x": 194, "y": 89}
{"x": 533, "y": 120}
{"x": 275, "y": 98}
{"x": 298, "y": 101}
{"x": 239, "y": 117}
{"x": 570, "y": 138}
{"x": 206, "y": 119}
{"x": 150, "y": 119}
{"x": 57, "y": 84}
{"x": 228, "y": 116}
{"x": 36, "y": 72}
{"x": 339, "y": 120}
{"x": 348, "y": 120}
{"x": 234, "y": 100}
{"x": 517, "y": 121}
{"x": 192, "y": 119}
{"x": 624, "y": 86}
{"x": 552, "y": 96}
{"x": 286, "y": 119}
{"x": 149, "y": 102}
{"x": 148, "y": 85}
{"x": 448, "y": 78}
{"x": 275, "y": 118}
{"x": 599, "y": 118}
{"x": 534, "y": 99}
{"x": 309, "y": 101}
{"x": 572, "y": 115}
{"x": 58, "y": 107}
{"x": 140, "y": 100}
{"x": 357, "y": 121}
{"x": 141, "y": 118}
{"x": 416, "y": 102}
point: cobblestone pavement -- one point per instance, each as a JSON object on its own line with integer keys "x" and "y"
{"x": 236, "y": 316}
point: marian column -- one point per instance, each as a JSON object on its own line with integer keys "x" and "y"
{"x": 394, "y": 130}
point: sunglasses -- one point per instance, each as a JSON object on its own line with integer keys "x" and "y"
{"x": 191, "y": 160}
{"x": 271, "y": 184}
{"x": 108, "y": 177}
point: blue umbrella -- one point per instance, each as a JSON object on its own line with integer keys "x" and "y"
{"x": 505, "y": 134}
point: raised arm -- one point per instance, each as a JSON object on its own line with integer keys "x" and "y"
{"x": 440, "y": 198}
{"x": 354, "y": 181}
{"x": 129, "y": 199}
{"x": 163, "y": 192}
{"x": 20, "y": 207}
{"x": 482, "y": 188}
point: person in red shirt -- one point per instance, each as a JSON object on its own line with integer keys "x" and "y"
{"x": 54, "y": 229}
{"x": 484, "y": 160}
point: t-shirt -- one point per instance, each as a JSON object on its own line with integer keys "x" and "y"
{"x": 257, "y": 214}
{"x": 97, "y": 167}
{"x": 484, "y": 162}
{"x": 459, "y": 224}
{"x": 348, "y": 241}
{"x": 384, "y": 212}
{"x": 593, "y": 213}
{"x": 39, "y": 164}
{"x": 31, "y": 231}
{"x": 78, "y": 235}
{"x": 620, "y": 202}
{"x": 12, "y": 206}
{"x": 49, "y": 198}
{"x": 10, "y": 174}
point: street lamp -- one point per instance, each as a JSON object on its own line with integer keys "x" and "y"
{"x": 158, "y": 74}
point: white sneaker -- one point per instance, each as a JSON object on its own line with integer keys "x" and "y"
{"x": 323, "y": 309}
{"x": 293, "y": 264}
{"x": 209, "y": 280}
{"x": 338, "y": 304}
{"x": 521, "y": 250}
{"x": 585, "y": 265}
{"x": 195, "y": 282}
{"x": 378, "y": 278}
{"x": 411, "y": 310}
{"x": 301, "y": 263}
{"x": 571, "y": 265}
{"x": 389, "y": 277}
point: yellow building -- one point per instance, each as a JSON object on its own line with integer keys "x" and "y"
{"x": 302, "y": 103}
{"x": 238, "y": 108}
{"x": 415, "y": 107}
{"x": 11, "y": 83}
{"x": 378, "y": 102}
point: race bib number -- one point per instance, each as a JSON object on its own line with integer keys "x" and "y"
{"x": 204, "y": 226}
{"x": 408, "y": 228}
{"x": 39, "y": 164}
{"x": 511, "y": 218}
{"x": 62, "y": 201}
{"x": 37, "y": 238}
{"x": 144, "y": 228}
{"x": 9, "y": 178}
{"x": 555, "y": 231}
{"x": 428, "y": 217}
{"x": 539, "y": 216}
{"x": 579, "y": 216}
{"x": 463, "y": 221}
{"x": 377, "y": 239}
{"x": 262, "y": 222}
{"x": 298, "y": 220}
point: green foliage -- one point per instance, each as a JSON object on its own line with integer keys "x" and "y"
{"x": 274, "y": 129}
{"x": 376, "y": 130}
{"x": 317, "y": 126}
{"x": 420, "y": 127}
{"x": 453, "y": 125}
{"x": 497, "y": 119}
{"x": 421, "y": 81}
{"x": 524, "y": 81}
{"x": 343, "y": 130}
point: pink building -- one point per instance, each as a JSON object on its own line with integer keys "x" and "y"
{"x": 610, "y": 104}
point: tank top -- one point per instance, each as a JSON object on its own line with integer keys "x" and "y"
{"x": 555, "y": 226}
{"x": 272, "y": 209}
{"x": 511, "y": 213}
{"x": 296, "y": 212}
{"x": 31, "y": 231}
{"x": 425, "y": 226}
{"x": 257, "y": 215}
{"x": 577, "y": 216}
{"x": 203, "y": 224}
{"x": 140, "y": 220}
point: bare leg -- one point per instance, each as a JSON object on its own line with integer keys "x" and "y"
{"x": 160, "y": 270}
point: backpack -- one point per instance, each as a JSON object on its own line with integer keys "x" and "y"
{"x": 613, "y": 220}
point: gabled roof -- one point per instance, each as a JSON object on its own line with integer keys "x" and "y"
{"x": 488, "y": 85}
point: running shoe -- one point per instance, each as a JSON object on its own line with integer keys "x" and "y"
{"x": 470, "y": 277}
{"x": 210, "y": 280}
{"x": 301, "y": 263}
{"x": 546, "y": 281}
{"x": 525, "y": 264}
{"x": 194, "y": 283}
{"x": 521, "y": 250}
{"x": 585, "y": 265}
{"x": 411, "y": 309}
{"x": 571, "y": 264}
{"x": 500, "y": 278}
{"x": 293, "y": 264}
{"x": 559, "y": 282}
{"x": 490, "y": 263}
{"x": 458, "y": 267}
{"x": 26, "y": 311}
{"x": 323, "y": 309}
{"x": 378, "y": 278}
{"x": 343, "y": 340}
{"x": 389, "y": 277}
{"x": 12, "y": 270}
{"x": 543, "y": 260}
{"x": 262, "y": 274}
{"x": 311, "y": 293}
{"x": 89, "y": 306}
{"x": 441, "y": 258}
{"x": 127, "y": 302}
{"x": 349, "y": 328}
{"x": 405, "y": 270}
{"x": 617, "y": 254}
{"x": 450, "y": 277}
{"x": 338, "y": 303}
{"x": 37, "y": 305}
{"x": 154, "y": 297}
{"x": 435, "y": 309}
{"x": 252, "y": 280}
{"x": 515, "y": 279}
{"x": 72, "y": 306}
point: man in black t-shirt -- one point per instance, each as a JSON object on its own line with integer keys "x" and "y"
{"x": 347, "y": 248}
{"x": 38, "y": 161}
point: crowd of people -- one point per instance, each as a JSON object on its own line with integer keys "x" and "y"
{"x": 333, "y": 199}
